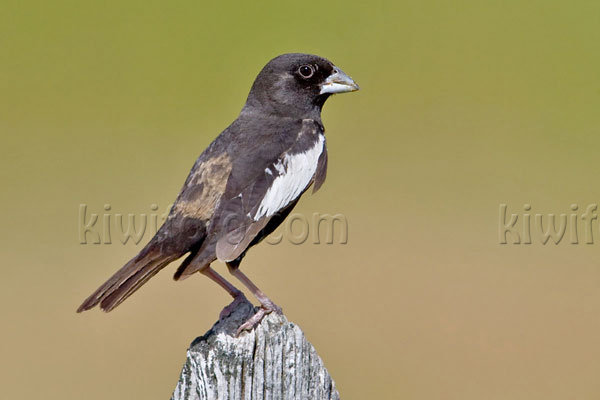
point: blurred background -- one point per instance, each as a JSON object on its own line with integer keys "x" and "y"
{"x": 464, "y": 105}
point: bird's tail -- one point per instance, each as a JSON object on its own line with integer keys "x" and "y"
{"x": 129, "y": 278}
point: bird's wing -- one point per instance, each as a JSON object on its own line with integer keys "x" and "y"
{"x": 246, "y": 208}
{"x": 204, "y": 185}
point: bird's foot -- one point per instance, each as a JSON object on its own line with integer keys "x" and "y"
{"x": 267, "y": 307}
{"x": 253, "y": 321}
{"x": 267, "y": 304}
{"x": 238, "y": 299}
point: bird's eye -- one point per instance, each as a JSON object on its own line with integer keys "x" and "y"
{"x": 306, "y": 71}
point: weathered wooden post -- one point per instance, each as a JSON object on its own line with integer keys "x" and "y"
{"x": 274, "y": 361}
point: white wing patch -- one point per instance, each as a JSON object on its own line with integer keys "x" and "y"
{"x": 295, "y": 172}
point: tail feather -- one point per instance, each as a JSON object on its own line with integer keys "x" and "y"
{"x": 127, "y": 288}
{"x": 128, "y": 279}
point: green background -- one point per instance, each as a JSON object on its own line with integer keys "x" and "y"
{"x": 463, "y": 105}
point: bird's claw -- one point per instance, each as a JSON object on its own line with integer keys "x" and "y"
{"x": 254, "y": 320}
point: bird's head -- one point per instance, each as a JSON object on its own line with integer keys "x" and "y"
{"x": 297, "y": 85}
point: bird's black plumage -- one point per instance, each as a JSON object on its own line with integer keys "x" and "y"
{"x": 246, "y": 182}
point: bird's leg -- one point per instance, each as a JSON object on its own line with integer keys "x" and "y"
{"x": 265, "y": 302}
{"x": 267, "y": 306}
{"x": 238, "y": 295}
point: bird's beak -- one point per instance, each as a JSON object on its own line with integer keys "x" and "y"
{"x": 338, "y": 82}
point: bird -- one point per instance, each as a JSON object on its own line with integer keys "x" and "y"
{"x": 243, "y": 185}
